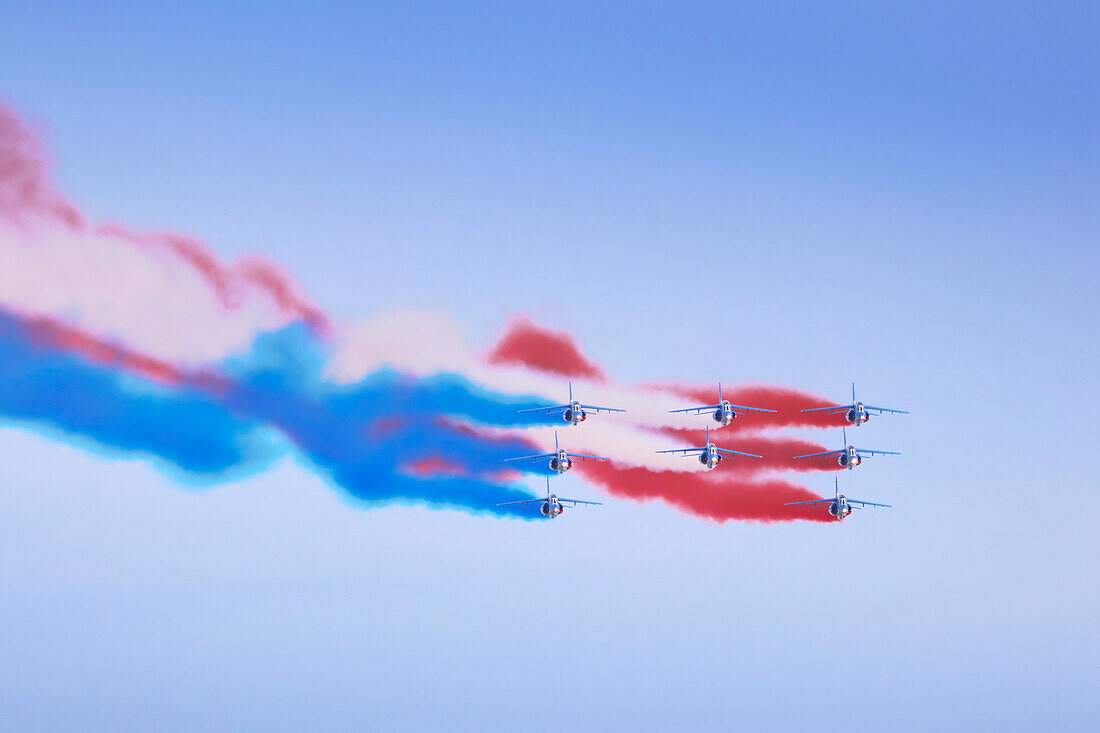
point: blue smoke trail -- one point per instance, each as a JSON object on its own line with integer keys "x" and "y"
{"x": 275, "y": 400}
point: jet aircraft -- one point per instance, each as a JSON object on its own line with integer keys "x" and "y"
{"x": 574, "y": 412}
{"x": 856, "y": 413}
{"x": 552, "y": 505}
{"x": 710, "y": 455}
{"x": 849, "y": 456}
{"x": 723, "y": 413}
{"x": 560, "y": 460}
{"x": 840, "y": 506}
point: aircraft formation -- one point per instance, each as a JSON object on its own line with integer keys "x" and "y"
{"x": 710, "y": 455}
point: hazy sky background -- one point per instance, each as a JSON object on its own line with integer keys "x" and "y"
{"x": 906, "y": 197}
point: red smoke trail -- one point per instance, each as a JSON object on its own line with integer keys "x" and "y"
{"x": 433, "y": 466}
{"x": 385, "y": 427}
{"x": 711, "y": 495}
{"x": 25, "y": 188}
{"x": 227, "y": 282}
{"x": 50, "y": 333}
{"x": 27, "y": 196}
{"x": 217, "y": 277}
{"x": 539, "y": 348}
{"x": 441, "y": 467}
{"x": 719, "y": 494}
{"x": 282, "y": 290}
{"x": 486, "y": 436}
{"x": 786, "y": 401}
{"x": 778, "y": 451}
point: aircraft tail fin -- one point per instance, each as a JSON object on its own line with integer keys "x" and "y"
{"x": 571, "y": 391}
{"x": 853, "y": 393}
{"x": 719, "y": 393}
{"x": 556, "y": 448}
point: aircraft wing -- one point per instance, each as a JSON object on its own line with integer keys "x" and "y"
{"x": 885, "y": 409}
{"x": 754, "y": 409}
{"x": 867, "y": 451}
{"x": 685, "y": 451}
{"x": 597, "y": 408}
{"x": 834, "y": 407}
{"x": 583, "y": 456}
{"x": 547, "y": 410}
{"x": 574, "y": 502}
{"x": 703, "y": 408}
{"x": 522, "y": 503}
{"x": 826, "y": 453}
{"x": 737, "y": 453}
{"x": 532, "y": 458}
{"x": 815, "y": 501}
{"x": 865, "y": 503}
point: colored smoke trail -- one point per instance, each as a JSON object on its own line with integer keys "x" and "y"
{"x": 530, "y": 345}
{"x": 50, "y": 333}
{"x": 164, "y": 293}
{"x": 713, "y": 494}
{"x": 269, "y": 403}
{"x": 778, "y": 451}
{"x": 146, "y": 344}
{"x": 787, "y": 402}
{"x": 25, "y": 190}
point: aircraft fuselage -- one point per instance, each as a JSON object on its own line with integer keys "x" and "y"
{"x": 840, "y": 508}
{"x": 857, "y": 415}
{"x": 849, "y": 458}
{"x": 574, "y": 414}
{"x": 561, "y": 462}
{"x": 551, "y": 507}
{"x": 724, "y": 415}
{"x": 710, "y": 457}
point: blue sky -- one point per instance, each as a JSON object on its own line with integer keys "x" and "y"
{"x": 795, "y": 194}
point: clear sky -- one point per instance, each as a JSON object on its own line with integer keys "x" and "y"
{"x": 902, "y": 196}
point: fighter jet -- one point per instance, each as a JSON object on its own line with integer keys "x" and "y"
{"x": 840, "y": 506}
{"x": 723, "y": 413}
{"x": 856, "y": 413}
{"x": 560, "y": 461}
{"x": 849, "y": 456}
{"x": 574, "y": 412}
{"x": 710, "y": 455}
{"x": 552, "y": 505}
